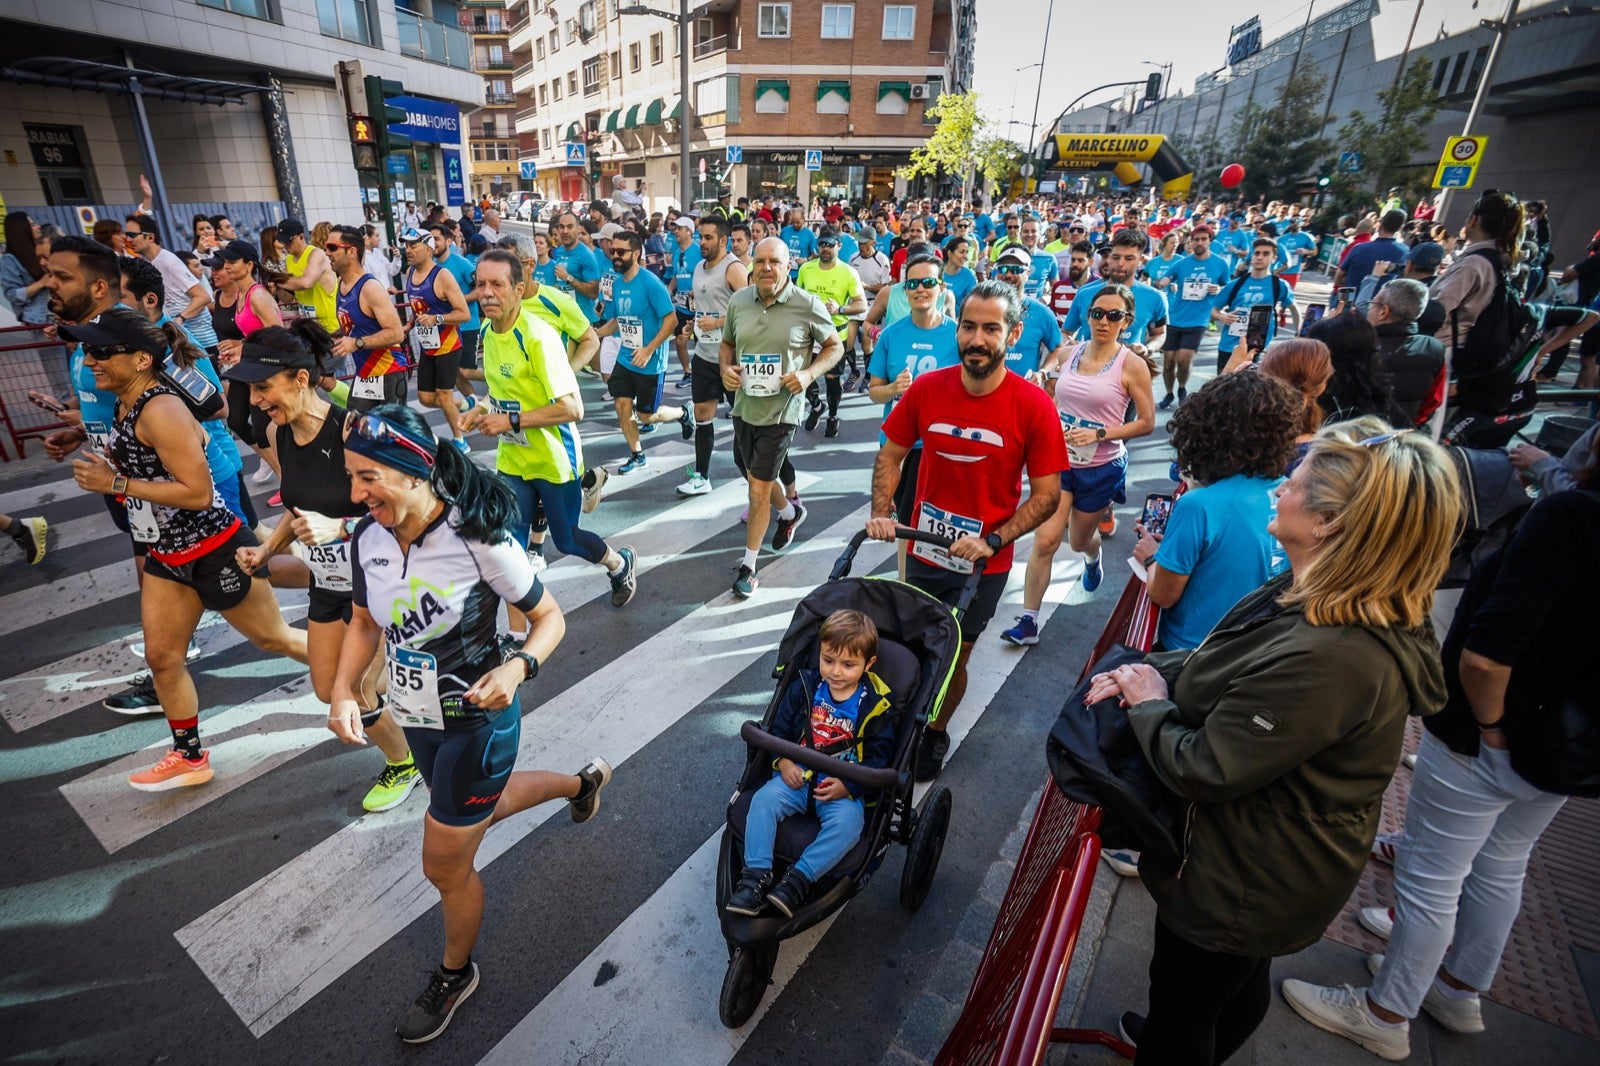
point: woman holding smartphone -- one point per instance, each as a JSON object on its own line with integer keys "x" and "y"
{"x": 1100, "y": 378}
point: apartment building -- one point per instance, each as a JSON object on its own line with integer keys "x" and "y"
{"x": 776, "y": 80}
{"x": 490, "y": 139}
{"x": 241, "y": 102}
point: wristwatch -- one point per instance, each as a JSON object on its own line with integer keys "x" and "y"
{"x": 994, "y": 542}
{"x": 515, "y": 418}
{"x": 1100, "y": 433}
{"x": 529, "y": 661}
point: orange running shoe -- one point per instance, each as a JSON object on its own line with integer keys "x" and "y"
{"x": 1108, "y": 525}
{"x": 173, "y": 771}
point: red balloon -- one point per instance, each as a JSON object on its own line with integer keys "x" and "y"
{"x": 1232, "y": 175}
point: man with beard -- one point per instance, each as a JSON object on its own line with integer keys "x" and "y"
{"x": 980, "y": 427}
{"x": 1080, "y": 254}
{"x": 1120, "y": 266}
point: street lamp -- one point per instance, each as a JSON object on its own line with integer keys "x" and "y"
{"x": 1029, "y": 168}
{"x": 1015, "y": 85}
{"x": 685, "y": 106}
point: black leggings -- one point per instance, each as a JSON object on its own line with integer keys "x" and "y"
{"x": 248, "y": 422}
{"x": 1203, "y": 1004}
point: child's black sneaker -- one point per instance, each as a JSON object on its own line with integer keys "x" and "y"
{"x": 789, "y": 893}
{"x": 750, "y": 894}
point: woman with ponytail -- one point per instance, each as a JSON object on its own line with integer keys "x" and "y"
{"x": 432, "y": 560}
{"x": 243, "y": 306}
{"x": 1494, "y": 232}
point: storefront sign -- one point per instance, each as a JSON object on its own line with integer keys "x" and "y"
{"x": 455, "y": 187}
{"x": 55, "y": 146}
{"x": 1244, "y": 41}
{"x": 428, "y": 120}
{"x": 829, "y": 159}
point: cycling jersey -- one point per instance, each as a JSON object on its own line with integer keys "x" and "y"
{"x": 354, "y": 322}
{"x": 438, "y": 605}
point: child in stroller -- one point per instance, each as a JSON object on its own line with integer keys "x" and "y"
{"x": 843, "y": 710}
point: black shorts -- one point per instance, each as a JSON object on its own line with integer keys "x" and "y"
{"x": 469, "y": 349}
{"x": 394, "y": 391}
{"x": 685, "y": 320}
{"x": 466, "y": 769}
{"x": 905, "y": 494}
{"x": 762, "y": 448}
{"x": 215, "y": 577}
{"x": 437, "y": 373}
{"x": 328, "y": 606}
{"x": 705, "y": 382}
{"x": 946, "y": 585}
{"x": 626, "y": 383}
{"x": 1185, "y": 338}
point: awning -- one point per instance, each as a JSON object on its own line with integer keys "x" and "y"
{"x": 676, "y": 110}
{"x": 901, "y": 87}
{"x": 632, "y": 121}
{"x": 652, "y": 114}
{"x": 779, "y": 87}
{"x": 840, "y": 87}
{"x": 612, "y": 120}
{"x": 574, "y": 133}
{"x": 64, "y": 73}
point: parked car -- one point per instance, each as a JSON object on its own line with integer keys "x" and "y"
{"x": 529, "y": 210}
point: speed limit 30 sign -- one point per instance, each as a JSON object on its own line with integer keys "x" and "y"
{"x": 1458, "y": 163}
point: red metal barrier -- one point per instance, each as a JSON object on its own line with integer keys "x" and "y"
{"x": 29, "y": 360}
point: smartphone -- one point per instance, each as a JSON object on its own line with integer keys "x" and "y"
{"x": 1259, "y": 325}
{"x": 1347, "y": 295}
{"x": 45, "y": 401}
{"x": 1157, "y": 508}
{"x": 1314, "y": 312}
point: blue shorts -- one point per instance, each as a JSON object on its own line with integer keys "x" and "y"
{"x": 466, "y": 769}
{"x": 1093, "y": 487}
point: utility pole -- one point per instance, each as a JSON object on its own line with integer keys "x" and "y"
{"x": 1479, "y": 98}
{"x": 1032, "y": 169}
{"x": 686, "y": 105}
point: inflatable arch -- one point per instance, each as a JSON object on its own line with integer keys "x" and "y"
{"x": 1118, "y": 152}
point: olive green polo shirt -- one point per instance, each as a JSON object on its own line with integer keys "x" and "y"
{"x": 771, "y": 341}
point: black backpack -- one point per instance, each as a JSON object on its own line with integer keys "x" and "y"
{"x": 1492, "y": 359}
{"x": 1495, "y": 503}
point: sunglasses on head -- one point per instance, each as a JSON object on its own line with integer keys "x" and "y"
{"x": 1097, "y": 313}
{"x": 373, "y": 428}
{"x": 913, "y": 284}
{"x": 101, "y": 352}
{"x": 1382, "y": 438}
{"x": 1006, "y": 269}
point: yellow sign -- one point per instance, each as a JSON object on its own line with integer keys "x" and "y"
{"x": 1119, "y": 152}
{"x": 87, "y": 218}
{"x": 1458, "y": 164}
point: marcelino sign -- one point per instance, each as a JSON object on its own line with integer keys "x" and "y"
{"x": 428, "y": 120}
{"x": 1128, "y": 146}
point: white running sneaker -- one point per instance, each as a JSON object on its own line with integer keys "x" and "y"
{"x": 263, "y": 474}
{"x": 1386, "y": 846}
{"x": 695, "y": 486}
{"x": 537, "y": 561}
{"x": 1343, "y": 1012}
{"x": 1459, "y": 1014}
{"x": 1379, "y": 921}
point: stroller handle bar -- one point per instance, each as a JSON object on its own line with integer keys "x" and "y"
{"x": 841, "y": 568}
{"x": 865, "y": 776}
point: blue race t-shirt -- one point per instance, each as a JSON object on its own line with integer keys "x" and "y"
{"x": 802, "y": 242}
{"x": 1042, "y": 276}
{"x": 683, "y": 264}
{"x": 982, "y": 227}
{"x": 1217, "y": 535}
{"x": 1292, "y": 244}
{"x": 1188, "y": 305}
{"x": 462, "y": 268}
{"x": 960, "y": 283}
{"x": 904, "y": 345}
{"x": 1240, "y": 296}
{"x": 1158, "y": 268}
{"x": 849, "y": 248}
{"x": 1149, "y": 309}
{"x": 1039, "y": 330}
{"x": 1233, "y": 243}
{"x": 583, "y": 265}
{"x": 639, "y": 307}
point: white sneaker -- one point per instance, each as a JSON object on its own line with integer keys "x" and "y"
{"x": 1379, "y": 921}
{"x": 1410, "y": 759}
{"x": 593, "y": 484}
{"x": 1385, "y": 847}
{"x": 695, "y": 486}
{"x": 1459, "y": 1015}
{"x": 263, "y": 474}
{"x": 538, "y": 562}
{"x": 1343, "y": 1012}
{"x": 1126, "y": 863}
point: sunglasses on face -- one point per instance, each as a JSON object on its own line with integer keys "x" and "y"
{"x": 333, "y": 246}
{"x": 373, "y": 428}
{"x": 1076, "y": 229}
{"x": 1098, "y": 313}
{"x": 101, "y": 352}
{"x": 1010, "y": 269}
{"x": 827, "y": 244}
{"x": 913, "y": 284}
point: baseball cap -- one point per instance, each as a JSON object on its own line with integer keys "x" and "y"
{"x": 1015, "y": 254}
{"x": 686, "y": 221}
{"x": 608, "y": 231}
{"x": 120, "y": 327}
{"x": 232, "y": 252}
{"x": 412, "y": 235}
{"x": 289, "y": 229}
{"x": 257, "y": 362}
{"x": 1426, "y": 256}
{"x": 865, "y": 234}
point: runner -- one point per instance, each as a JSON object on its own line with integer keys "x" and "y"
{"x": 981, "y": 427}
{"x": 1197, "y": 280}
{"x": 534, "y": 408}
{"x": 574, "y": 266}
{"x": 1259, "y": 286}
{"x": 369, "y": 326}
{"x": 958, "y": 278}
{"x": 1100, "y": 378}
{"x": 776, "y": 340}
{"x": 1159, "y": 267}
{"x": 434, "y": 574}
{"x": 1120, "y": 266}
{"x": 642, "y": 318}
{"x": 280, "y": 368}
{"x": 186, "y": 299}
{"x": 839, "y": 289}
{"x": 438, "y": 311}
{"x": 685, "y": 252}
{"x": 1039, "y": 342}
{"x": 312, "y": 283}
{"x": 448, "y": 255}
{"x": 800, "y": 238}
{"x": 717, "y": 276}
{"x": 1043, "y": 271}
{"x": 740, "y": 241}
{"x": 154, "y": 462}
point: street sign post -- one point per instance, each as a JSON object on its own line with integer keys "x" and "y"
{"x": 1458, "y": 163}
{"x": 735, "y": 153}
{"x": 1350, "y": 162}
{"x": 528, "y": 171}
{"x": 577, "y": 154}
{"x": 813, "y": 159}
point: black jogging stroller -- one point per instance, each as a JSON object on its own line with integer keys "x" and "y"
{"x": 919, "y": 642}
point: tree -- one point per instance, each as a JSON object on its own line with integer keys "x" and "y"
{"x": 1281, "y": 144}
{"x": 1390, "y": 143}
{"x": 954, "y": 147}
{"x": 999, "y": 158}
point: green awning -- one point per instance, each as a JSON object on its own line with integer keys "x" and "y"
{"x": 652, "y": 114}
{"x": 612, "y": 120}
{"x": 574, "y": 133}
{"x": 632, "y": 121}
{"x": 677, "y": 109}
{"x": 901, "y": 87}
{"x": 779, "y": 87}
{"x": 840, "y": 87}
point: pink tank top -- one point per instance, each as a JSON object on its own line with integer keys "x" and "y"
{"x": 244, "y": 316}
{"x": 1090, "y": 401}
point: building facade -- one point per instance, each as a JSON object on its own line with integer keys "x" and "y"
{"x": 489, "y": 131}
{"x": 243, "y": 102}
{"x": 852, "y": 81}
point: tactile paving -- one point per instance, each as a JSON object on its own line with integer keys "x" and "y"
{"x": 1560, "y": 907}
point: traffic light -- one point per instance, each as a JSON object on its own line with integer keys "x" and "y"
{"x": 1324, "y": 181}
{"x": 1152, "y": 88}
{"x": 385, "y": 115}
{"x": 364, "y": 143}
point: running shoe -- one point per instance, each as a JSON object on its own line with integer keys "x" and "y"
{"x": 1108, "y": 525}
{"x": 472, "y": 401}
{"x": 1166, "y": 401}
{"x": 832, "y": 428}
{"x": 394, "y": 785}
{"x": 686, "y": 421}
{"x": 140, "y": 699}
{"x": 1343, "y": 1011}
{"x": 1379, "y": 921}
{"x": 263, "y": 474}
{"x": 745, "y": 582}
{"x": 1124, "y": 861}
{"x": 695, "y": 486}
{"x": 1183, "y": 394}
{"x": 814, "y": 415}
{"x": 624, "y": 583}
{"x": 646, "y": 428}
{"x": 684, "y": 382}
{"x": 537, "y": 561}
{"x": 31, "y": 535}
{"x": 851, "y": 380}
{"x": 930, "y": 754}
{"x": 136, "y": 649}
{"x": 1024, "y": 634}
{"x": 1093, "y": 573}
{"x": 591, "y": 371}
{"x": 275, "y": 500}
{"x": 1386, "y": 846}
{"x": 635, "y": 462}
{"x": 594, "y": 480}
{"x": 594, "y": 777}
{"x": 1459, "y": 1014}
{"x": 606, "y": 397}
{"x": 430, "y": 1015}
{"x": 783, "y": 529}
{"x": 173, "y": 771}
{"x": 744, "y": 516}
{"x": 461, "y": 445}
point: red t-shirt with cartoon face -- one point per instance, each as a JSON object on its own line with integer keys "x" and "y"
{"x": 974, "y": 452}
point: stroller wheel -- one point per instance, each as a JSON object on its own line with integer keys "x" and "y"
{"x": 927, "y": 844}
{"x": 749, "y": 973}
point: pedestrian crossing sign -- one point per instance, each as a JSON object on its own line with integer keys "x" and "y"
{"x": 577, "y": 155}
{"x": 813, "y": 159}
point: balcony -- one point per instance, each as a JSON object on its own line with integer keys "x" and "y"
{"x": 436, "y": 42}
{"x": 522, "y": 79}
{"x": 711, "y": 46}
{"x": 486, "y": 64}
{"x": 522, "y": 34}
{"x": 476, "y": 22}
{"x": 494, "y": 99}
{"x": 527, "y": 120}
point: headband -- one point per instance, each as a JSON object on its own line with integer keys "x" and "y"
{"x": 397, "y": 456}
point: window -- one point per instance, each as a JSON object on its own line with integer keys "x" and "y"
{"x": 616, "y": 65}
{"x": 899, "y": 22}
{"x": 772, "y": 20}
{"x": 711, "y": 97}
{"x": 612, "y": 7}
{"x": 772, "y": 98}
{"x": 544, "y": 96}
{"x": 1456, "y": 70}
{"x": 256, "y": 9}
{"x": 635, "y": 62}
{"x": 656, "y": 54}
{"x": 586, "y": 19}
{"x": 538, "y": 48}
{"x": 894, "y": 97}
{"x": 1475, "y": 75}
{"x": 591, "y": 76}
{"x": 572, "y": 30}
{"x": 348, "y": 20}
{"x": 497, "y": 55}
{"x": 572, "y": 83}
{"x": 555, "y": 40}
{"x": 677, "y": 46}
{"x": 833, "y": 98}
{"x": 555, "y": 89}
{"x": 838, "y": 21}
